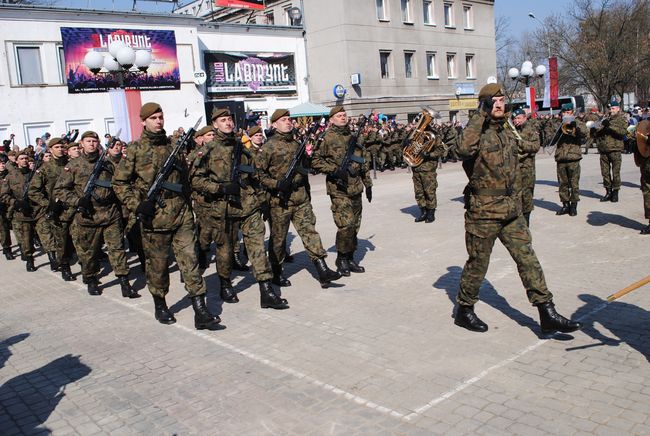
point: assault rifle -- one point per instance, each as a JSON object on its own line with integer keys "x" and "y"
{"x": 342, "y": 182}
{"x": 235, "y": 199}
{"x": 38, "y": 161}
{"x": 90, "y": 185}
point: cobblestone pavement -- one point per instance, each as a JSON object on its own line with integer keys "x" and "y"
{"x": 379, "y": 355}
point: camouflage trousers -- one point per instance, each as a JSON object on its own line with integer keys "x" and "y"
{"x": 645, "y": 185}
{"x": 304, "y": 221}
{"x": 515, "y": 236}
{"x": 62, "y": 241}
{"x": 88, "y": 241}
{"x": 25, "y": 231}
{"x": 347, "y": 217}
{"x": 568, "y": 177}
{"x": 5, "y": 233}
{"x": 157, "y": 246}
{"x": 527, "y": 168}
{"x": 45, "y": 234}
{"x": 425, "y": 184}
{"x": 204, "y": 230}
{"x": 610, "y": 169}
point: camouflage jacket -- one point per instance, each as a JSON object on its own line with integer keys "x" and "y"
{"x": 136, "y": 173}
{"x": 610, "y": 138}
{"x": 12, "y": 190}
{"x": 71, "y": 183}
{"x": 569, "y": 146}
{"x": 215, "y": 169}
{"x": 430, "y": 159}
{"x": 490, "y": 154}
{"x": 329, "y": 156}
{"x": 530, "y": 143}
{"x": 41, "y": 190}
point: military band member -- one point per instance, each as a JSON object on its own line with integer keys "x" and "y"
{"x": 345, "y": 196}
{"x": 568, "y": 155}
{"x": 425, "y": 183}
{"x": 272, "y": 163}
{"x": 528, "y": 148}
{"x": 5, "y": 227}
{"x": 493, "y": 203}
{"x": 162, "y": 228}
{"x": 609, "y": 140}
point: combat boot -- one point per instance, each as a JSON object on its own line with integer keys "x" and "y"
{"x": 527, "y": 217}
{"x": 342, "y": 265}
{"x": 66, "y": 274}
{"x": 564, "y": 210}
{"x": 573, "y": 208}
{"x": 269, "y": 299}
{"x": 466, "y": 318}
{"x": 354, "y": 266}
{"x": 278, "y": 278}
{"x": 422, "y": 216}
{"x": 93, "y": 286}
{"x": 239, "y": 263}
{"x": 127, "y": 290}
{"x": 8, "y": 254}
{"x": 29, "y": 264}
{"x": 203, "y": 259}
{"x": 551, "y": 321}
{"x": 325, "y": 275}
{"x": 51, "y": 256}
{"x": 228, "y": 294}
{"x": 288, "y": 258}
{"x": 203, "y": 319}
{"x": 162, "y": 313}
{"x": 614, "y": 198}
{"x": 607, "y": 196}
{"x": 431, "y": 216}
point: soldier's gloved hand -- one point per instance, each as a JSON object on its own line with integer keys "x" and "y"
{"x": 146, "y": 210}
{"x": 283, "y": 185}
{"x": 85, "y": 205}
{"x": 369, "y": 194}
{"x": 340, "y": 174}
{"x": 56, "y": 208}
{"x": 22, "y": 206}
{"x": 229, "y": 189}
{"x": 605, "y": 123}
{"x": 485, "y": 107}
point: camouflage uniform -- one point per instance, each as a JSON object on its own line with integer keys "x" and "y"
{"x": 644, "y": 166}
{"x": 425, "y": 180}
{"x": 609, "y": 140}
{"x": 372, "y": 143}
{"x": 201, "y": 207}
{"x": 5, "y": 218}
{"x": 568, "y": 155}
{"x": 528, "y": 148}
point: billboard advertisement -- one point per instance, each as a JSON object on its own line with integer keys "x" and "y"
{"x": 240, "y": 4}
{"x": 163, "y": 72}
{"x": 244, "y": 73}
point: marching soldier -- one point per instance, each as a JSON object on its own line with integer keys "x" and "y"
{"x": 234, "y": 202}
{"x": 5, "y": 221}
{"x": 272, "y": 163}
{"x": 528, "y": 148}
{"x": 493, "y": 204}
{"x": 162, "y": 228}
{"x": 568, "y": 155}
{"x": 609, "y": 140}
{"x": 425, "y": 183}
{"x": 346, "y": 195}
{"x": 73, "y": 150}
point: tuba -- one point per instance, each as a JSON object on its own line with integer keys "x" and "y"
{"x": 421, "y": 140}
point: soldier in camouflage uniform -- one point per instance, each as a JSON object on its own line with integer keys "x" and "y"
{"x": 425, "y": 182}
{"x": 568, "y": 155}
{"x": 371, "y": 141}
{"x": 592, "y": 116}
{"x": 609, "y": 140}
{"x": 644, "y": 165}
{"x": 5, "y": 217}
{"x": 233, "y": 202}
{"x": 346, "y": 195}
{"x": 162, "y": 228}
{"x": 41, "y": 192}
{"x": 528, "y": 148}
{"x": 98, "y": 215}
{"x": 493, "y": 203}
{"x": 271, "y": 164}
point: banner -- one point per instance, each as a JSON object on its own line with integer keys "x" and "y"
{"x": 551, "y": 87}
{"x": 163, "y": 73}
{"x": 241, "y": 73}
{"x": 245, "y": 4}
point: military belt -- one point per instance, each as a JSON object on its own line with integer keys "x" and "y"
{"x": 492, "y": 192}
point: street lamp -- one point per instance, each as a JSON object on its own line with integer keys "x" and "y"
{"x": 548, "y": 42}
{"x": 119, "y": 62}
{"x": 524, "y": 75}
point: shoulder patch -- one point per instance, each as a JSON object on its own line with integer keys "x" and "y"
{"x": 199, "y": 154}
{"x": 66, "y": 169}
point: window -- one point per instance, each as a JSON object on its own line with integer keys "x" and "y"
{"x": 451, "y": 65}
{"x": 28, "y": 60}
{"x": 469, "y": 66}
{"x": 269, "y": 18}
{"x": 62, "y": 73}
{"x": 408, "y": 64}
{"x": 449, "y": 15}
{"x": 406, "y": 11}
{"x": 427, "y": 8}
{"x": 382, "y": 10}
{"x": 384, "y": 63}
{"x": 468, "y": 19}
{"x": 432, "y": 72}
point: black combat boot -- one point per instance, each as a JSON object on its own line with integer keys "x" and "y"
{"x": 325, "y": 275}
{"x": 66, "y": 274}
{"x": 573, "y": 208}
{"x": 354, "y": 266}
{"x": 645, "y": 230}
{"x": 288, "y": 258}
{"x": 422, "y": 216}
{"x": 127, "y": 290}
{"x": 614, "y": 198}
{"x": 466, "y": 318}
{"x": 8, "y": 254}
{"x": 239, "y": 263}
{"x": 203, "y": 259}
{"x": 342, "y": 265}
{"x": 203, "y": 319}
{"x": 278, "y": 278}
{"x": 431, "y": 216}
{"x": 551, "y": 321}
{"x": 93, "y": 286}
{"x": 162, "y": 313}
{"x": 228, "y": 294}
{"x": 607, "y": 196}
{"x": 527, "y": 216}
{"x": 564, "y": 210}
{"x": 29, "y": 264}
{"x": 269, "y": 299}
{"x": 54, "y": 265}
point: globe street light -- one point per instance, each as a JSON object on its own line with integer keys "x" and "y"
{"x": 118, "y": 62}
{"x": 524, "y": 75}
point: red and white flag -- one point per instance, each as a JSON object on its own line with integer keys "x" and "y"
{"x": 551, "y": 87}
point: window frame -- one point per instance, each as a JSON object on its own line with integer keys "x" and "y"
{"x": 452, "y": 74}
{"x": 470, "y": 73}
{"x": 384, "y": 9}
{"x": 19, "y": 76}
{"x": 468, "y": 17}
{"x": 452, "y": 17}
{"x": 432, "y": 55}
{"x": 431, "y": 12}
{"x": 412, "y": 62}
{"x": 389, "y": 69}
{"x": 409, "y": 13}
{"x": 60, "y": 57}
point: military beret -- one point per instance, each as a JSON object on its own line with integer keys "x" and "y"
{"x": 24, "y": 151}
{"x": 219, "y": 112}
{"x": 614, "y": 104}
{"x": 4, "y": 158}
{"x": 490, "y": 90}
{"x": 148, "y": 109}
{"x": 89, "y": 134}
{"x": 72, "y": 144}
{"x": 279, "y": 113}
{"x": 12, "y": 153}
{"x": 203, "y": 131}
{"x": 336, "y": 109}
{"x": 52, "y": 142}
{"x": 518, "y": 111}
{"x": 254, "y": 130}
{"x": 567, "y": 107}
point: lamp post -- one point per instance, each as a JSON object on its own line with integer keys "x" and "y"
{"x": 548, "y": 42}
{"x": 524, "y": 75}
{"x": 120, "y": 62}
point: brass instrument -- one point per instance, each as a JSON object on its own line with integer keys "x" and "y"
{"x": 421, "y": 139}
{"x": 511, "y": 126}
{"x": 598, "y": 124}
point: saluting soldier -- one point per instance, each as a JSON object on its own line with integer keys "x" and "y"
{"x": 5, "y": 221}
{"x": 231, "y": 203}
{"x": 528, "y": 148}
{"x": 163, "y": 228}
{"x": 567, "y": 156}
{"x": 609, "y": 140}
{"x": 345, "y": 196}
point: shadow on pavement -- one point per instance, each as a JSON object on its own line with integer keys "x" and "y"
{"x": 583, "y": 192}
{"x": 596, "y": 218}
{"x": 29, "y": 399}
{"x": 630, "y": 185}
{"x": 627, "y": 322}
{"x": 414, "y": 210}
{"x": 5, "y": 353}
{"x": 548, "y": 205}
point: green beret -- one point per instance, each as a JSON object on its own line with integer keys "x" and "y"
{"x": 614, "y": 103}
{"x": 220, "y": 112}
{"x": 11, "y": 153}
{"x": 279, "y": 113}
{"x": 24, "y": 151}
{"x": 336, "y": 109}
{"x": 518, "y": 111}
{"x": 148, "y": 109}
{"x": 203, "y": 131}
{"x": 54, "y": 141}
{"x": 254, "y": 130}
{"x": 567, "y": 107}
{"x": 89, "y": 134}
{"x": 490, "y": 90}
{"x": 71, "y": 144}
